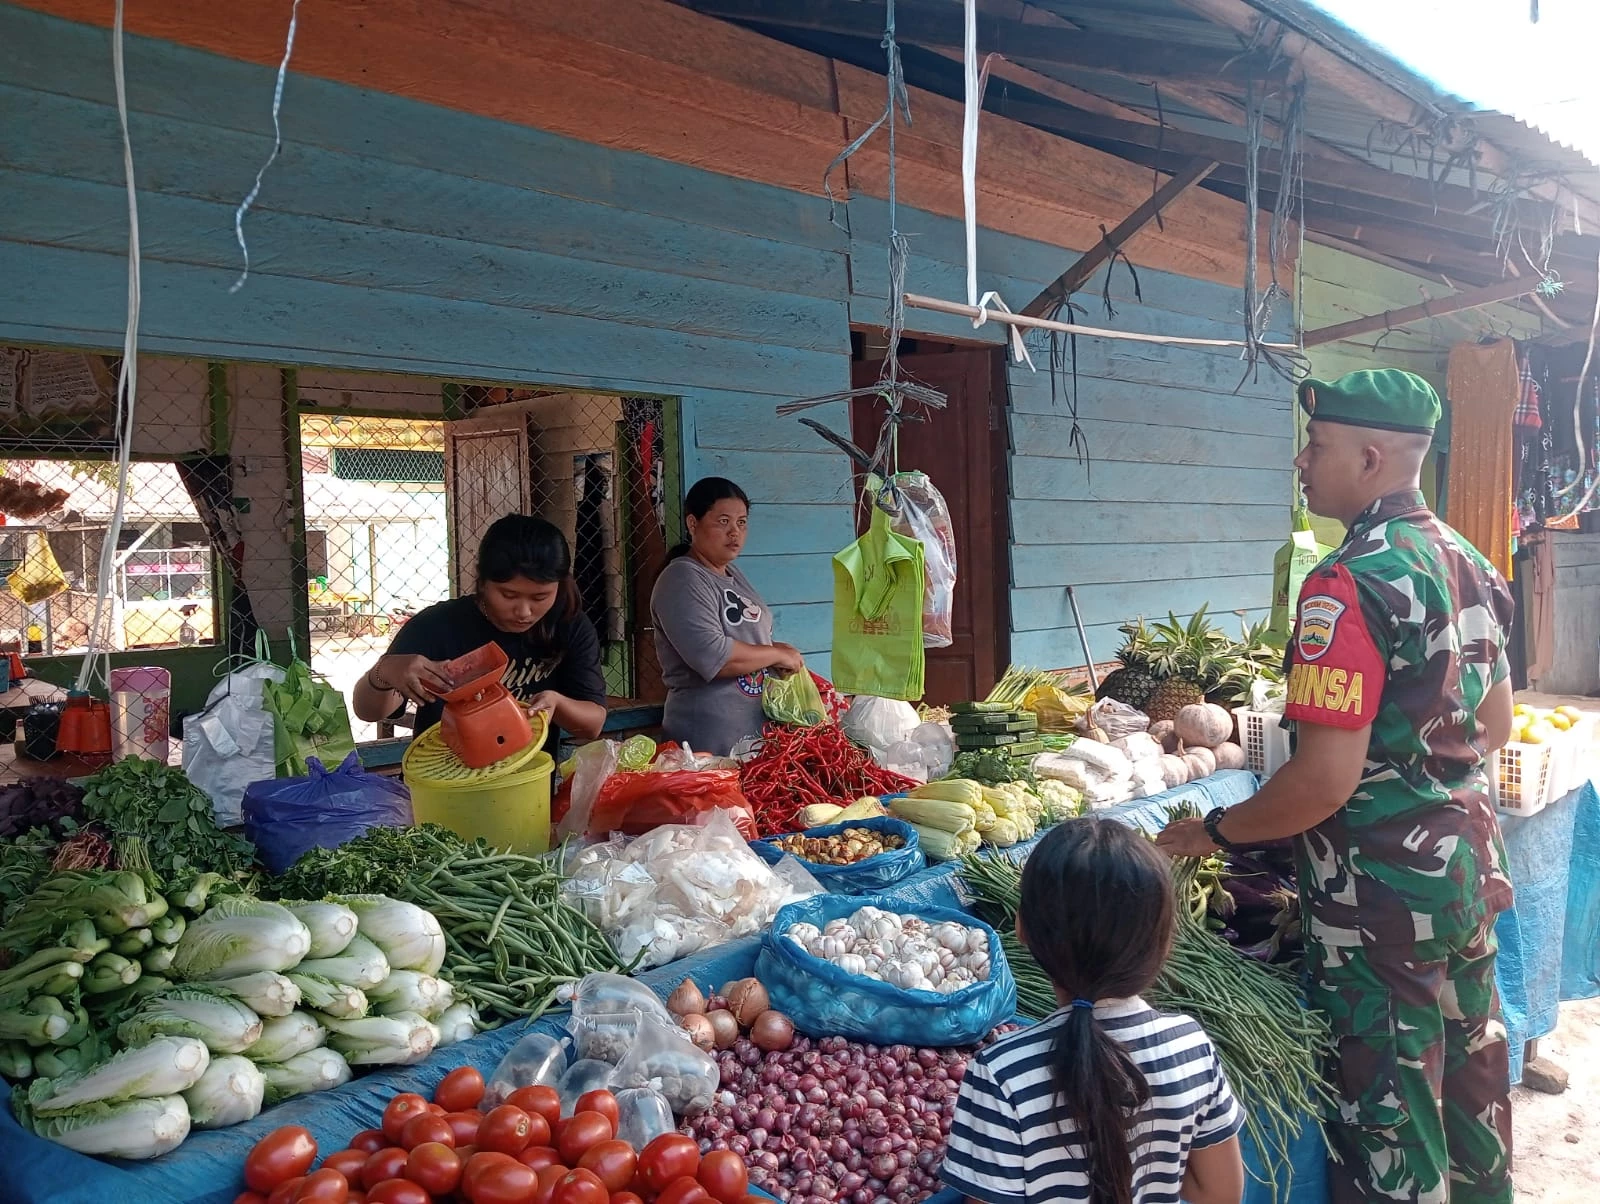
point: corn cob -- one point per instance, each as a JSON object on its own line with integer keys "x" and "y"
{"x": 935, "y": 813}
{"x": 954, "y": 790}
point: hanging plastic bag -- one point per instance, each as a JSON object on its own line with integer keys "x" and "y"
{"x": 792, "y": 698}
{"x": 309, "y": 720}
{"x": 38, "y": 578}
{"x": 864, "y": 877}
{"x": 537, "y": 1060}
{"x": 232, "y": 743}
{"x": 665, "y": 1060}
{"x": 824, "y": 1000}
{"x": 877, "y": 614}
{"x": 286, "y": 817}
{"x": 1291, "y": 566}
{"x": 923, "y": 515}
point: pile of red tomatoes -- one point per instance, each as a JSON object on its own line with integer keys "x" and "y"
{"x": 522, "y": 1152}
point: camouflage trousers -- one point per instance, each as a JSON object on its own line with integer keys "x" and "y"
{"x": 1420, "y": 1069}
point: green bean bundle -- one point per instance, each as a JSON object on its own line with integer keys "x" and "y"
{"x": 511, "y": 943}
{"x": 1270, "y": 1044}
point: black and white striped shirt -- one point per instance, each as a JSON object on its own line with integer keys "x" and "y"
{"x": 1009, "y": 1141}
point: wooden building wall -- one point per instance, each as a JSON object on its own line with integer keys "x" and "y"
{"x": 626, "y": 197}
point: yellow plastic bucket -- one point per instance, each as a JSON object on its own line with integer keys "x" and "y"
{"x": 509, "y": 808}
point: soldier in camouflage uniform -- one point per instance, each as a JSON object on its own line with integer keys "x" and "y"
{"x": 1399, "y": 688}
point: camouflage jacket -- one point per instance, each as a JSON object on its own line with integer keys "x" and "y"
{"x": 1405, "y": 628}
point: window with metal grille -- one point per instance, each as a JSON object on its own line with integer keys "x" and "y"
{"x": 388, "y": 464}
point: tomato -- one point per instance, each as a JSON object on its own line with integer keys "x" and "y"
{"x": 543, "y": 1100}
{"x": 465, "y": 1153}
{"x": 369, "y": 1141}
{"x": 464, "y": 1125}
{"x": 285, "y": 1153}
{"x": 580, "y": 1187}
{"x": 398, "y": 1191}
{"x": 347, "y": 1162}
{"x": 537, "y": 1157}
{"x": 670, "y": 1156}
{"x": 424, "y": 1128}
{"x": 613, "y": 1161}
{"x": 683, "y": 1191}
{"x": 249, "y": 1197}
{"x": 356, "y": 1197}
{"x": 434, "y": 1167}
{"x": 401, "y": 1109}
{"x": 459, "y": 1090}
{"x": 724, "y": 1176}
{"x": 286, "y": 1191}
{"x": 323, "y": 1187}
{"x": 752, "y": 1198}
{"x": 436, "y": 1109}
{"x": 549, "y": 1179}
{"x": 539, "y": 1130}
{"x": 603, "y": 1102}
{"x": 504, "y": 1182}
{"x": 585, "y": 1129}
{"x": 479, "y": 1165}
{"x": 387, "y": 1163}
{"x": 625, "y": 1197}
{"x": 506, "y": 1130}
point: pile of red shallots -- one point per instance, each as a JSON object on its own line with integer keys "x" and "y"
{"x": 880, "y": 1143}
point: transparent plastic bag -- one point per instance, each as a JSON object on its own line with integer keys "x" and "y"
{"x": 924, "y": 516}
{"x": 607, "y": 1012}
{"x": 665, "y": 1060}
{"x": 927, "y": 753}
{"x": 537, "y": 1060}
{"x": 582, "y": 1077}
{"x": 593, "y": 764}
{"x": 1115, "y": 719}
{"x": 643, "y": 1114}
{"x": 792, "y": 698}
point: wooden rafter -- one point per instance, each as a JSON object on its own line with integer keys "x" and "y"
{"x": 1505, "y": 290}
{"x": 939, "y": 27}
{"x": 1074, "y": 278}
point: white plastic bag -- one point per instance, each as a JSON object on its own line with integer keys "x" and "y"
{"x": 878, "y": 724}
{"x": 229, "y": 745}
{"x": 595, "y": 762}
{"x": 925, "y": 754}
{"x": 1115, "y": 719}
{"x": 924, "y": 517}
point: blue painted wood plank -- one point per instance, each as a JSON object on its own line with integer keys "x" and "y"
{"x": 1145, "y": 522}
{"x": 817, "y": 477}
{"x": 796, "y": 529}
{"x": 1033, "y": 566}
{"x": 789, "y": 580}
{"x": 868, "y": 312}
{"x": 1058, "y": 648}
{"x": 83, "y": 215}
{"x": 1132, "y": 440}
{"x": 809, "y": 627}
{"x": 1042, "y": 609}
{"x": 63, "y": 136}
{"x": 1053, "y": 479}
{"x": 226, "y": 93}
{"x": 1178, "y": 402}
{"x": 187, "y": 310}
{"x": 1178, "y": 368}
{"x": 748, "y": 422}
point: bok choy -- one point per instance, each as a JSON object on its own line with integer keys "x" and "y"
{"x": 131, "y": 1128}
{"x": 398, "y": 1040}
{"x": 265, "y": 992}
{"x": 215, "y": 1017}
{"x": 336, "y": 999}
{"x": 410, "y": 937}
{"x": 331, "y": 926}
{"x": 165, "y": 1066}
{"x": 284, "y": 1037}
{"x": 228, "y": 1093}
{"x": 362, "y": 964}
{"x": 238, "y": 936}
{"x": 314, "y": 1070}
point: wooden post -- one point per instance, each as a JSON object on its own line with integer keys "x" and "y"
{"x": 1506, "y": 290}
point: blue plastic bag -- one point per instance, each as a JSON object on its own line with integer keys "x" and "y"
{"x": 286, "y": 817}
{"x": 864, "y": 877}
{"x": 823, "y": 1000}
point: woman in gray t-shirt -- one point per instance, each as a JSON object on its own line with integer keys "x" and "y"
{"x": 713, "y": 632}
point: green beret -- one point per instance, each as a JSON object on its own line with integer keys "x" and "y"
{"x": 1382, "y": 399}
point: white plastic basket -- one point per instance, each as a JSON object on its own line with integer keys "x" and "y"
{"x": 1264, "y": 740}
{"x": 1529, "y": 777}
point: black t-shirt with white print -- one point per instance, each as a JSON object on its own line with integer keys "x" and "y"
{"x": 569, "y": 663}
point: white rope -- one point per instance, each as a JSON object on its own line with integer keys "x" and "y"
{"x": 127, "y": 375}
{"x": 277, "y": 145}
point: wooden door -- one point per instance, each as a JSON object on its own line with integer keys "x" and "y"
{"x": 962, "y": 449}
{"x": 487, "y": 474}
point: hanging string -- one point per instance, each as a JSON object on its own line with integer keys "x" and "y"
{"x": 1259, "y": 303}
{"x": 127, "y": 373}
{"x": 277, "y": 145}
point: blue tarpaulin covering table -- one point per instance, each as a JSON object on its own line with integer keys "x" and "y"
{"x": 206, "y": 1169}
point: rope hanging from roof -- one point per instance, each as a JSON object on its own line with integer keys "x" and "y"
{"x": 1288, "y": 213}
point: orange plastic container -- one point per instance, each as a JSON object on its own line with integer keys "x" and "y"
{"x": 85, "y": 728}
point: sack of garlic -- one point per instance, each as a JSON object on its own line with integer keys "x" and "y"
{"x": 852, "y": 967}
{"x": 861, "y": 865}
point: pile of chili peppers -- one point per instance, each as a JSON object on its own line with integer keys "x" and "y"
{"x": 798, "y": 766}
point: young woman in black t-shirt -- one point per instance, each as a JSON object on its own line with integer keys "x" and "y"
{"x": 527, "y": 602}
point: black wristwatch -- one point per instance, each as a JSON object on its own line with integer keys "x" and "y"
{"x": 1212, "y": 821}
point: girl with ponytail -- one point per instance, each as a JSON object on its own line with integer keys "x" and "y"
{"x": 1106, "y": 1101}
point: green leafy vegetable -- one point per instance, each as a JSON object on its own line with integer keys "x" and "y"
{"x": 239, "y": 936}
{"x": 135, "y": 1128}
{"x": 161, "y": 821}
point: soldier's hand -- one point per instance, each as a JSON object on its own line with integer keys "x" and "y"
{"x": 1185, "y": 838}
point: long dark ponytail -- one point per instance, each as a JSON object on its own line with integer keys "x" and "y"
{"x": 1097, "y": 914}
{"x": 704, "y": 494}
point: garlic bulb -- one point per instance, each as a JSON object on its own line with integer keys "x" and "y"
{"x": 904, "y": 951}
{"x": 851, "y": 963}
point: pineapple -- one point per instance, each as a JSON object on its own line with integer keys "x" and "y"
{"x": 1133, "y": 682}
{"x": 1188, "y": 660}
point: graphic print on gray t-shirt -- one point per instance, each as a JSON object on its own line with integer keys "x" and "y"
{"x": 699, "y": 615}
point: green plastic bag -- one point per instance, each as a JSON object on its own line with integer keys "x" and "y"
{"x": 877, "y": 614}
{"x": 309, "y": 719}
{"x": 793, "y": 698}
{"x": 1290, "y": 568}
